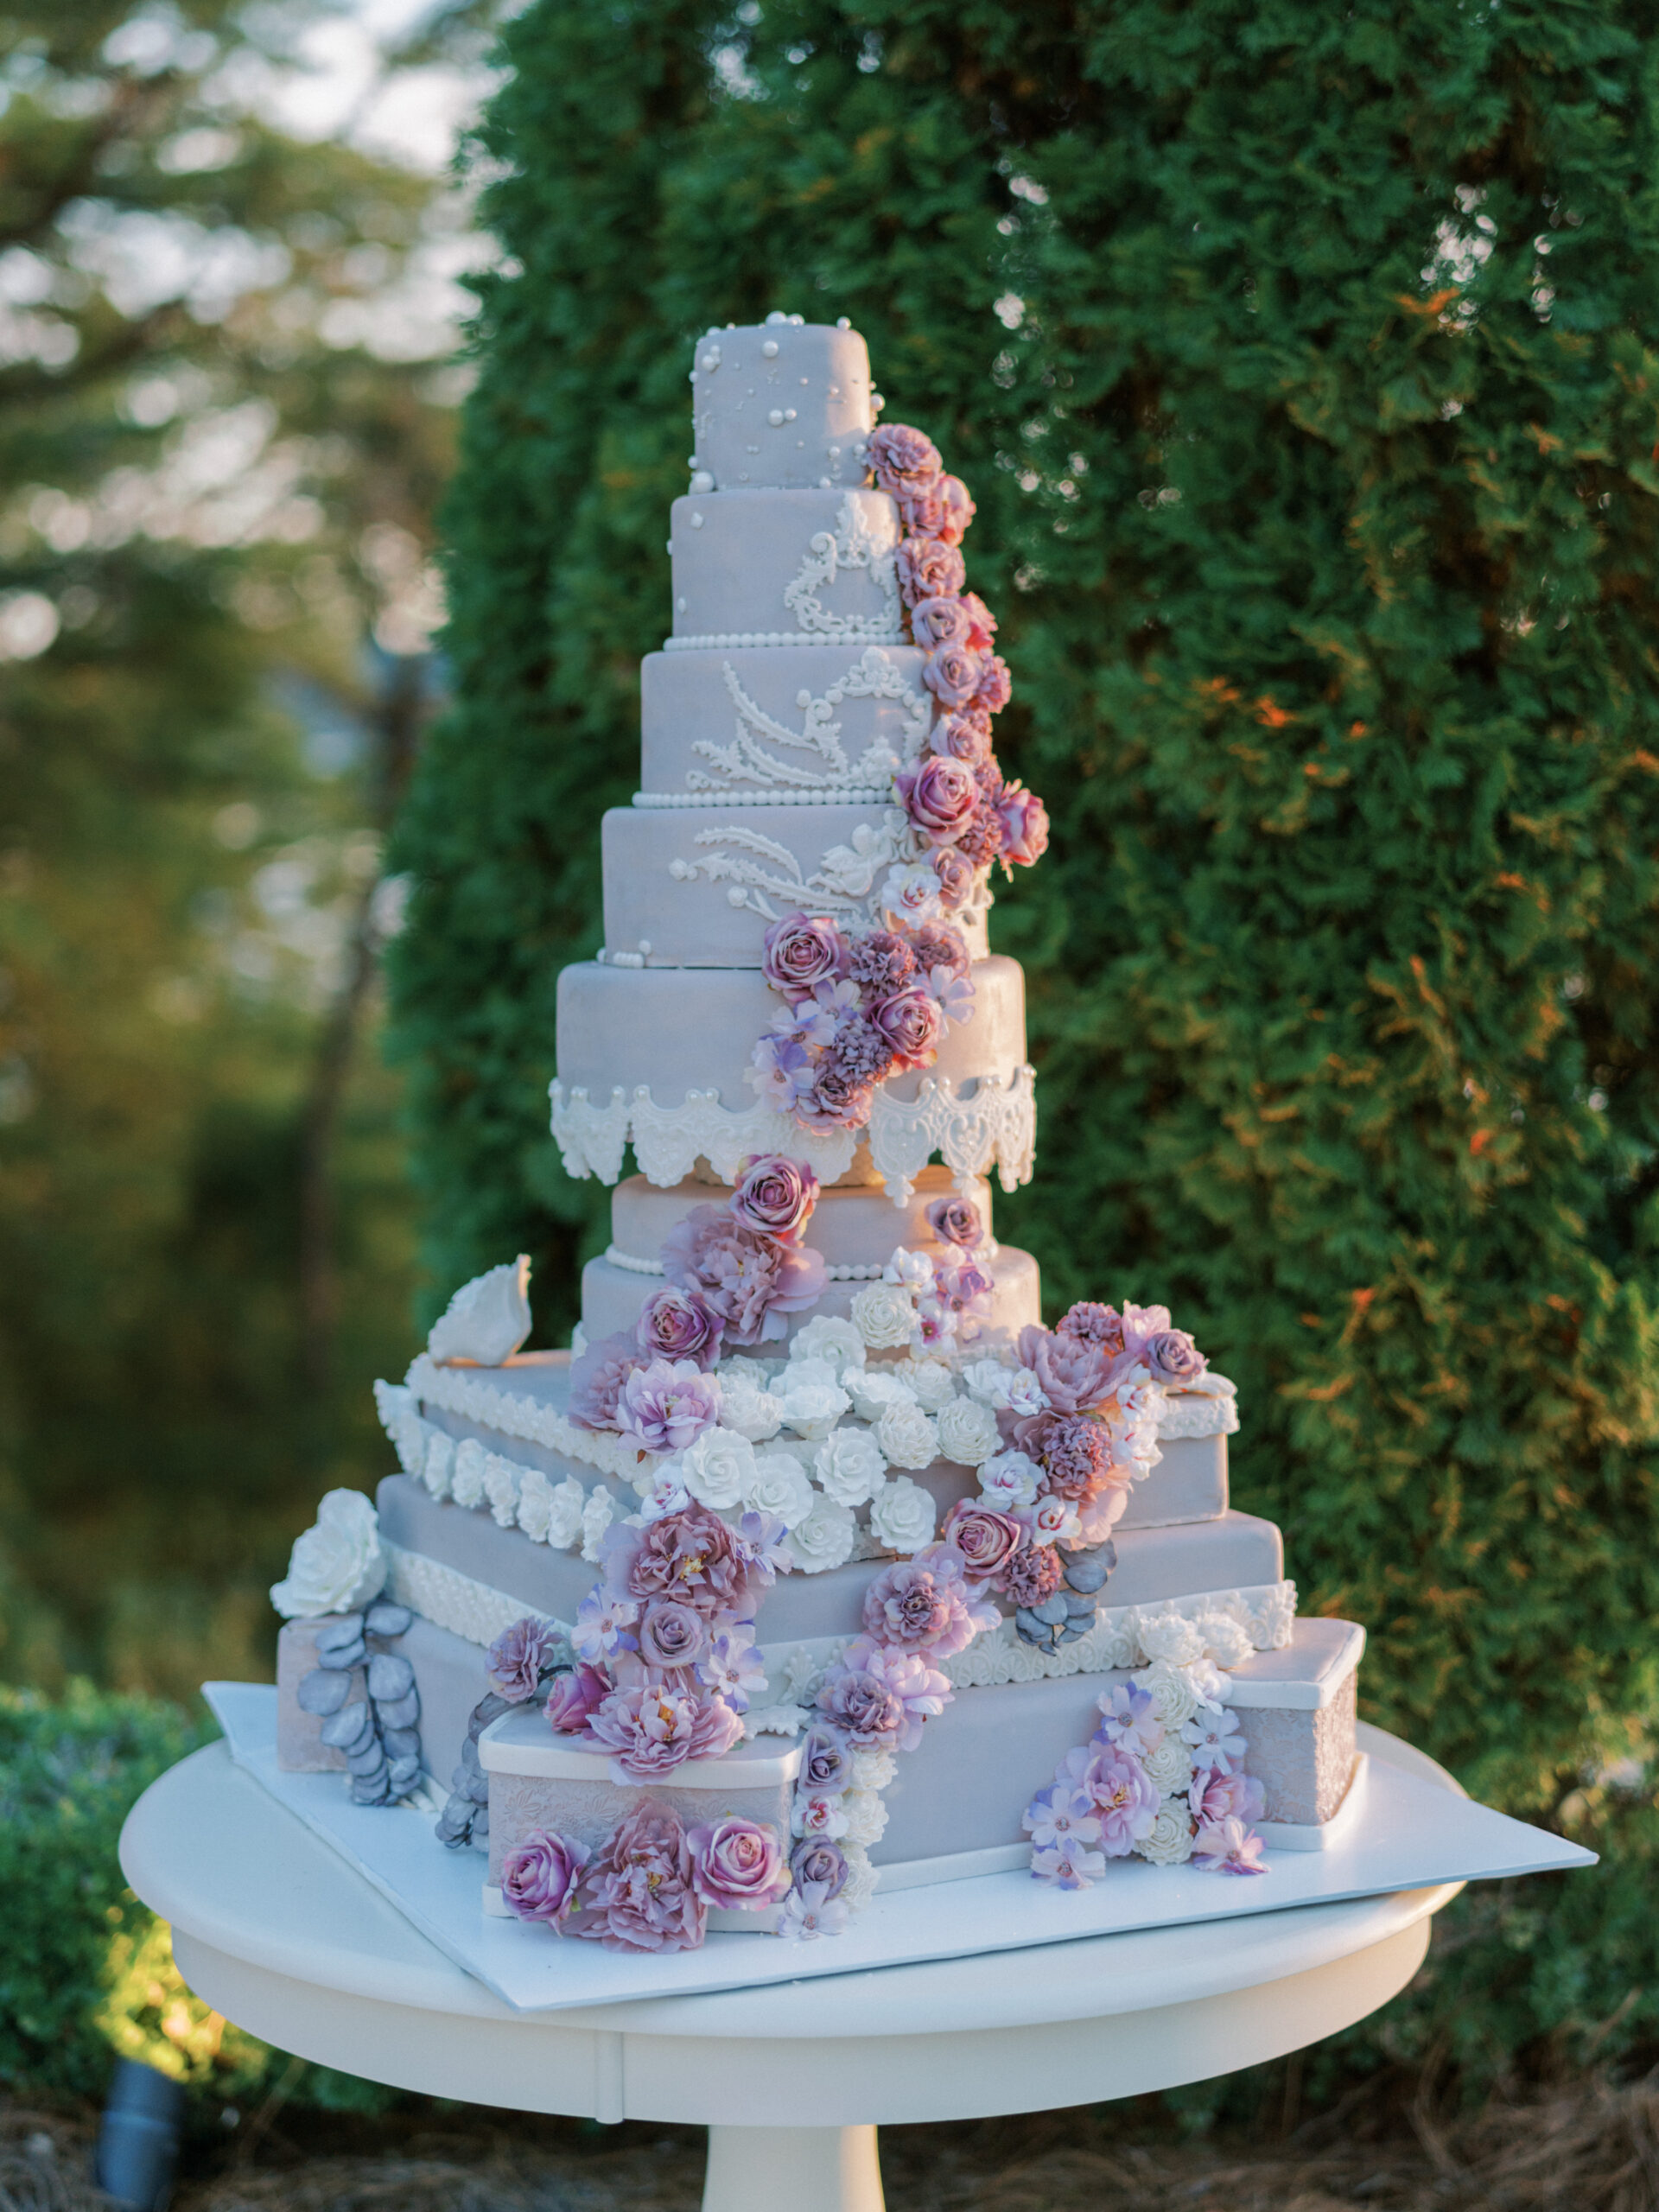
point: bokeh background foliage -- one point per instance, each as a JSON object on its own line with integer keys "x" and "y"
{"x": 1302, "y": 363}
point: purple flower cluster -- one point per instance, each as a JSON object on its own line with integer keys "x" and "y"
{"x": 649, "y": 1885}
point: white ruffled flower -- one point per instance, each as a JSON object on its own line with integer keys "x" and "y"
{"x": 824, "y": 1816}
{"x": 779, "y": 1483}
{"x": 1011, "y": 1478}
{"x": 501, "y": 1488}
{"x": 747, "y": 1410}
{"x": 873, "y": 1389}
{"x": 911, "y": 893}
{"x": 903, "y": 1514}
{"x": 860, "y": 1887}
{"x": 932, "y": 1382}
{"x": 867, "y": 1817}
{"x": 850, "y": 1465}
{"x": 1007, "y": 1388}
{"x": 738, "y": 1367}
{"x": 823, "y": 1539}
{"x": 812, "y": 1409}
{"x": 912, "y": 1270}
{"x": 564, "y": 1521}
{"x": 1168, "y": 1842}
{"x": 1026, "y": 1394}
{"x": 487, "y": 1319}
{"x": 535, "y": 1509}
{"x": 1169, "y": 1769}
{"x": 874, "y": 1771}
{"x": 662, "y": 1489}
{"x": 1174, "y": 1701}
{"x": 1167, "y": 1635}
{"x": 337, "y": 1566}
{"x": 908, "y": 1436}
{"x": 717, "y": 1468}
{"x": 1227, "y": 1642}
{"x": 829, "y": 1336}
{"x": 439, "y": 1464}
{"x": 884, "y": 1315}
{"x": 968, "y": 1434}
{"x": 466, "y": 1472}
{"x": 596, "y": 1517}
{"x": 1055, "y": 1521}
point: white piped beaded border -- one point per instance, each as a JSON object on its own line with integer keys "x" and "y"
{"x": 632, "y": 1264}
{"x": 851, "y": 633}
{"x": 802, "y": 795}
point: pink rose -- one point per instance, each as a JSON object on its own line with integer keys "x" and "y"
{"x": 1025, "y": 825}
{"x": 935, "y": 622}
{"x": 539, "y": 1881}
{"x": 981, "y": 621}
{"x": 738, "y": 1864}
{"x": 1074, "y": 1374}
{"x": 774, "y": 1197}
{"x": 910, "y": 1023}
{"x": 964, "y": 735}
{"x": 801, "y": 950}
{"x": 987, "y": 1540}
{"x": 573, "y": 1699}
{"x": 953, "y": 674}
{"x": 957, "y": 878}
{"x": 995, "y": 686}
{"x": 941, "y": 797}
{"x": 928, "y": 569}
{"x": 903, "y": 460}
{"x": 956, "y": 1221}
{"x": 952, "y": 495}
{"x": 677, "y": 1323}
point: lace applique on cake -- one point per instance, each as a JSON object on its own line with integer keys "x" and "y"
{"x": 472, "y": 1610}
{"x": 751, "y": 759}
{"x": 765, "y": 876}
{"x": 865, "y": 536}
{"x": 1266, "y": 1613}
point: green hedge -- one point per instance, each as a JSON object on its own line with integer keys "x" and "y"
{"x": 1302, "y": 362}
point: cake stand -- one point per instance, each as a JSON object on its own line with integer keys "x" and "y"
{"x": 277, "y": 1932}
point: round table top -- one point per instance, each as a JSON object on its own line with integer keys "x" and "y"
{"x": 273, "y": 1927}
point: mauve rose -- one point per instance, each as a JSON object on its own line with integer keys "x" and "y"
{"x": 902, "y": 458}
{"x": 995, "y": 686}
{"x": 935, "y": 944}
{"x": 957, "y": 875}
{"x": 801, "y": 950}
{"x": 988, "y": 1540}
{"x": 678, "y": 1324}
{"x": 826, "y": 1763}
{"x": 573, "y": 1699}
{"x": 955, "y": 1220}
{"x": 539, "y": 1879}
{"x": 650, "y": 1732}
{"x": 838, "y": 1100}
{"x": 952, "y": 495}
{"x": 940, "y": 795}
{"x": 516, "y": 1657}
{"x": 1094, "y": 1324}
{"x": 910, "y": 1022}
{"x": 962, "y": 736}
{"x": 640, "y": 1887}
{"x": 596, "y": 1381}
{"x": 863, "y": 1707}
{"x": 982, "y": 622}
{"x": 1172, "y": 1357}
{"x": 935, "y": 622}
{"x": 880, "y": 962}
{"x": 667, "y": 1406}
{"x": 953, "y": 675}
{"x": 774, "y": 1197}
{"x": 1074, "y": 1375}
{"x": 921, "y": 510}
{"x": 670, "y": 1634}
{"x": 1034, "y": 1573}
{"x": 981, "y": 841}
{"x": 738, "y": 1864}
{"x": 929, "y": 568}
{"x": 691, "y": 1555}
{"x": 815, "y": 1861}
{"x": 751, "y": 1281}
{"x": 1025, "y": 825}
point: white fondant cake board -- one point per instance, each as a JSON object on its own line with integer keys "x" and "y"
{"x": 1408, "y": 1834}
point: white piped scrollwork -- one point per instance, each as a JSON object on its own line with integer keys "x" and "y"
{"x": 765, "y": 876}
{"x": 820, "y": 767}
{"x": 865, "y": 536}
{"x": 1267, "y": 1613}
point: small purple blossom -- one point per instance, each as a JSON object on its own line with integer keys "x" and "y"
{"x": 1214, "y": 1740}
{"x": 809, "y": 1913}
{"x": 1128, "y": 1721}
{"x": 1061, "y": 1811}
{"x": 1068, "y": 1863}
{"x": 816, "y": 1863}
{"x": 730, "y": 1667}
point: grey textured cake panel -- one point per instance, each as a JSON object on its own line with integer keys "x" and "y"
{"x": 850, "y": 1225}
{"x": 677, "y": 882}
{"x": 612, "y": 1297}
{"x": 814, "y": 377}
{"x": 1236, "y": 1551}
{"x": 734, "y": 555}
{"x": 674, "y": 1030}
{"x": 723, "y": 719}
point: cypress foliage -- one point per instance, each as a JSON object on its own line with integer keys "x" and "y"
{"x": 1303, "y": 364}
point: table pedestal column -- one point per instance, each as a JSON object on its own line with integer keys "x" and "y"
{"x": 792, "y": 2169}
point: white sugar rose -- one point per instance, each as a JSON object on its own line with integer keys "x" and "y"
{"x": 1167, "y": 1635}
{"x": 903, "y": 1514}
{"x": 867, "y": 1817}
{"x": 913, "y": 1269}
{"x": 564, "y": 1514}
{"x": 596, "y": 1517}
{"x": 908, "y": 1437}
{"x": 1011, "y": 1478}
{"x": 779, "y": 1485}
{"x": 812, "y": 1409}
{"x": 873, "y": 1389}
{"x": 748, "y": 1411}
{"x": 1007, "y": 1388}
{"x": 884, "y": 1315}
{"x": 823, "y": 1539}
{"x": 932, "y": 1382}
{"x": 1169, "y": 1769}
{"x": 967, "y": 1433}
{"x": 717, "y": 1468}
{"x": 1169, "y": 1840}
{"x": 439, "y": 1464}
{"x": 850, "y": 1465}
{"x": 336, "y": 1566}
{"x": 829, "y": 1336}
{"x": 1174, "y": 1701}
{"x": 466, "y": 1472}
{"x": 501, "y": 1489}
{"x": 535, "y": 1509}
{"x": 1226, "y": 1641}
{"x": 911, "y": 893}
{"x": 737, "y": 1367}
{"x": 874, "y": 1771}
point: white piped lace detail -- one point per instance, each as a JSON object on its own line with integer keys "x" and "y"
{"x": 860, "y": 539}
{"x": 767, "y": 761}
{"x": 1199, "y": 1414}
{"x": 471, "y": 1610}
{"x": 1267, "y": 1613}
{"x": 994, "y": 1125}
{"x": 763, "y": 875}
{"x": 632, "y": 1264}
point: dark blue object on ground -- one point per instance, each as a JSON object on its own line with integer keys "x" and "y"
{"x": 138, "y": 2140}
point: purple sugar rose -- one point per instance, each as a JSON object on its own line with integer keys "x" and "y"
{"x": 1125, "y": 1800}
{"x": 924, "y": 1604}
{"x": 693, "y": 1556}
{"x": 922, "y": 513}
{"x": 910, "y": 1023}
{"x": 881, "y": 963}
{"x": 982, "y": 625}
{"x": 642, "y": 1897}
{"x": 678, "y": 1324}
{"x": 516, "y": 1657}
{"x": 670, "y": 1634}
{"x": 597, "y": 1378}
{"x": 751, "y": 1281}
{"x": 1024, "y": 824}
{"x": 838, "y": 1100}
{"x": 1093, "y": 1324}
{"x": 826, "y": 1763}
{"x": 1033, "y": 1573}
{"x": 1074, "y": 1375}
{"x": 738, "y": 1864}
{"x": 955, "y": 1220}
{"x": 953, "y": 674}
{"x": 816, "y": 1863}
{"x": 650, "y": 1730}
{"x": 1172, "y": 1357}
{"x": 774, "y": 1197}
{"x": 540, "y": 1879}
{"x": 964, "y": 735}
{"x": 879, "y": 1696}
{"x": 958, "y": 876}
{"x": 987, "y": 1540}
{"x": 928, "y": 569}
{"x": 935, "y": 622}
{"x": 575, "y": 1697}
{"x": 935, "y": 944}
{"x": 801, "y": 950}
{"x": 667, "y": 1406}
{"x": 903, "y": 460}
{"x": 940, "y": 795}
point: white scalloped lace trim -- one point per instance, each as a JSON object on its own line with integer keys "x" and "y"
{"x": 461, "y": 1390}
{"x": 995, "y": 1125}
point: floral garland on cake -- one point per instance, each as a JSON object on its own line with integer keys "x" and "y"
{"x": 864, "y": 1004}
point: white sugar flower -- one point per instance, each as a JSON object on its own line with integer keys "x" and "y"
{"x": 829, "y": 1336}
{"x": 812, "y": 1409}
{"x": 716, "y": 1469}
{"x": 932, "y": 1382}
{"x": 664, "y": 1491}
{"x": 874, "y": 1771}
{"x": 1168, "y": 1842}
{"x": 968, "y": 1434}
{"x": 1055, "y": 1521}
{"x": 850, "y": 1465}
{"x": 1227, "y": 1642}
{"x": 337, "y": 1566}
{"x": 860, "y": 1887}
{"x": 439, "y": 1464}
{"x": 535, "y": 1505}
{"x": 564, "y": 1515}
{"x": 1010, "y": 1389}
{"x": 748, "y": 1411}
{"x": 466, "y": 1472}
{"x": 903, "y": 1514}
{"x": 1011, "y": 1478}
{"x": 779, "y": 1485}
{"x": 596, "y": 1517}
{"x": 884, "y": 1315}
{"x": 737, "y": 1367}
{"x": 1174, "y": 1701}
{"x": 1167, "y": 1635}
{"x": 908, "y": 1436}
{"x": 501, "y": 1488}
{"x": 911, "y": 893}
{"x": 914, "y": 1270}
{"x": 1169, "y": 1768}
{"x": 873, "y": 1389}
{"x": 823, "y": 1539}
{"x": 867, "y": 1817}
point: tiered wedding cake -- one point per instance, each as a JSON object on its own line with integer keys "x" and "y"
{"x": 821, "y": 1564}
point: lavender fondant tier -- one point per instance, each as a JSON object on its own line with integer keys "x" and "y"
{"x": 851, "y": 1226}
{"x": 760, "y": 722}
{"x": 783, "y": 402}
{"x": 778, "y": 568}
{"x": 700, "y": 887}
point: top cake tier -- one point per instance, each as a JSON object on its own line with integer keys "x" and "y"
{"x": 781, "y": 405}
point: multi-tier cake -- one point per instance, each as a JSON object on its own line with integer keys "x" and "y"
{"x": 818, "y": 1564}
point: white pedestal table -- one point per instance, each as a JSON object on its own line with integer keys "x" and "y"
{"x": 274, "y": 1930}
